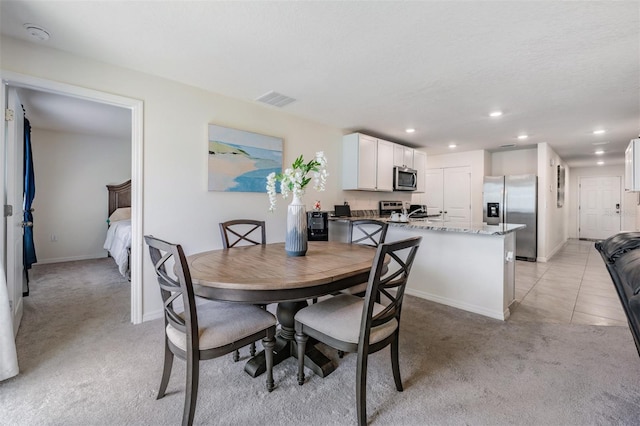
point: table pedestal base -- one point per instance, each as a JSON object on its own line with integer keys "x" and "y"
{"x": 286, "y": 346}
{"x": 313, "y": 359}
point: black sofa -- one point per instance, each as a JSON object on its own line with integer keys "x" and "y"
{"x": 622, "y": 258}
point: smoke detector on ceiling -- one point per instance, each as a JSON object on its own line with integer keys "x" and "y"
{"x": 276, "y": 99}
{"x": 37, "y": 32}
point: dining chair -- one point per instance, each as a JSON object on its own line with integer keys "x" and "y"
{"x": 203, "y": 332}
{"x": 369, "y": 232}
{"x": 352, "y": 324}
{"x": 241, "y": 232}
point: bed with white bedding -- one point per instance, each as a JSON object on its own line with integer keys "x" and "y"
{"x": 118, "y": 243}
{"x": 118, "y": 240}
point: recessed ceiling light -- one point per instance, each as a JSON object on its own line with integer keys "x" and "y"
{"x": 521, "y": 137}
{"x": 495, "y": 114}
{"x": 37, "y": 32}
{"x": 600, "y": 143}
{"x": 598, "y": 132}
{"x": 410, "y": 130}
{"x": 452, "y": 145}
{"x": 600, "y": 163}
{"x": 599, "y": 152}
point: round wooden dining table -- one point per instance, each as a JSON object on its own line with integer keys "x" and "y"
{"x": 263, "y": 274}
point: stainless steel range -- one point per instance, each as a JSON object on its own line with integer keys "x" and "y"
{"x": 415, "y": 211}
{"x": 388, "y": 207}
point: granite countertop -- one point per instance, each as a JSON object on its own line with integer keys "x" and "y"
{"x": 424, "y": 224}
{"x": 501, "y": 229}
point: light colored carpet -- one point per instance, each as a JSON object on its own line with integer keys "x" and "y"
{"x": 83, "y": 363}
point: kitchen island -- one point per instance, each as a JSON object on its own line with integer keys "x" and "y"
{"x": 470, "y": 267}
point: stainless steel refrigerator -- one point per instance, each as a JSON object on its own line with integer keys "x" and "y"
{"x": 514, "y": 199}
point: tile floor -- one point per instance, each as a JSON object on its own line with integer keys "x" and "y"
{"x": 574, "y": 287}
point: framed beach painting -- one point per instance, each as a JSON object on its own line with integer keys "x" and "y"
{"x": 240, "y": 161}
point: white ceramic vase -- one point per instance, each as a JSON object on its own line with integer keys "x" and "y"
{"x": 296, "y": 240}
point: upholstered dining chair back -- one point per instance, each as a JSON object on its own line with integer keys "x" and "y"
{"x": 243, "y": 232}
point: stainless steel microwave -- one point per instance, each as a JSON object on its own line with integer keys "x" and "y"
{"x": 404, "y": 179}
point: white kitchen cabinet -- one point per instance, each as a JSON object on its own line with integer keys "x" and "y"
{"x": 403, "y": 156}
{"x": 384, "y": 174}
{"x": 448, "y": 194}
{"x": 367, "y": 163}
{"x": 632, "y": 166}
{"x": 420, "y": 164}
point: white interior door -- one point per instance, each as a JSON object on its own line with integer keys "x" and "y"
{"x": 433, "y": 193}
{"x": 599, "y": 207}
{"x": 14, "y": 193}
{"x": 457, "y": 195}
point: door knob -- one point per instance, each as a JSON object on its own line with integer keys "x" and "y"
{"x": 27, "y": 224}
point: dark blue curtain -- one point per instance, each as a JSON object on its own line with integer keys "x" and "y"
{"x": 29, "y": 255}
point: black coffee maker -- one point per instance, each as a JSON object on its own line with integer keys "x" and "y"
{"x": 317, "y": 226}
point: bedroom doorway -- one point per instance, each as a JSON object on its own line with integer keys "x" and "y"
{"x": 135, "y": 108}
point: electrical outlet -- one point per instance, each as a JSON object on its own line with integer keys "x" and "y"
{"x": 509, "y": 256}
{"x": 54, "y": 238}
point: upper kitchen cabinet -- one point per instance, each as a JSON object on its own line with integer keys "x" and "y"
{"x": 367, "y": 163}
{"x": 420, "y": 164}
{"x": 403, "y": 156}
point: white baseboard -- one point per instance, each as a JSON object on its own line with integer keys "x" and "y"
{"x": 150, "y": 316}
{"x": 553, "y": 252}
{"x": 70, "y": 259}
{"x": 464, "y": 306}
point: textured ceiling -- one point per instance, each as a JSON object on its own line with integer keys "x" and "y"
{"x": 558, "y": 70}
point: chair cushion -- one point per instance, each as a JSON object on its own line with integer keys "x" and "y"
{"x": 339, "y": 317}
{"x": 222, "y": 323}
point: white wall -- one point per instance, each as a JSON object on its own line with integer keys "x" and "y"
{"x": 516, "y": 162}
{"x": 177, "y": 205}
{"x": 479, "y": 162}
{"x": 71, "y": 173}
{"x": 628, "y": 199}
{"x": 552, "y": 220}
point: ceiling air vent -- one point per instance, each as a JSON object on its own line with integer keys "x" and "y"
{"x": 276, "y": 99}
{"x": 509, "y": 145}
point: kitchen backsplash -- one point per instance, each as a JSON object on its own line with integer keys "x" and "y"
{"x": 366, "y": 200}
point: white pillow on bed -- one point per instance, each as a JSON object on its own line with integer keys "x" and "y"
{"x": 123, "y": 213}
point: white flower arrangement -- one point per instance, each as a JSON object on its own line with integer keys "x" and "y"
{"x": 294, "y": 179}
